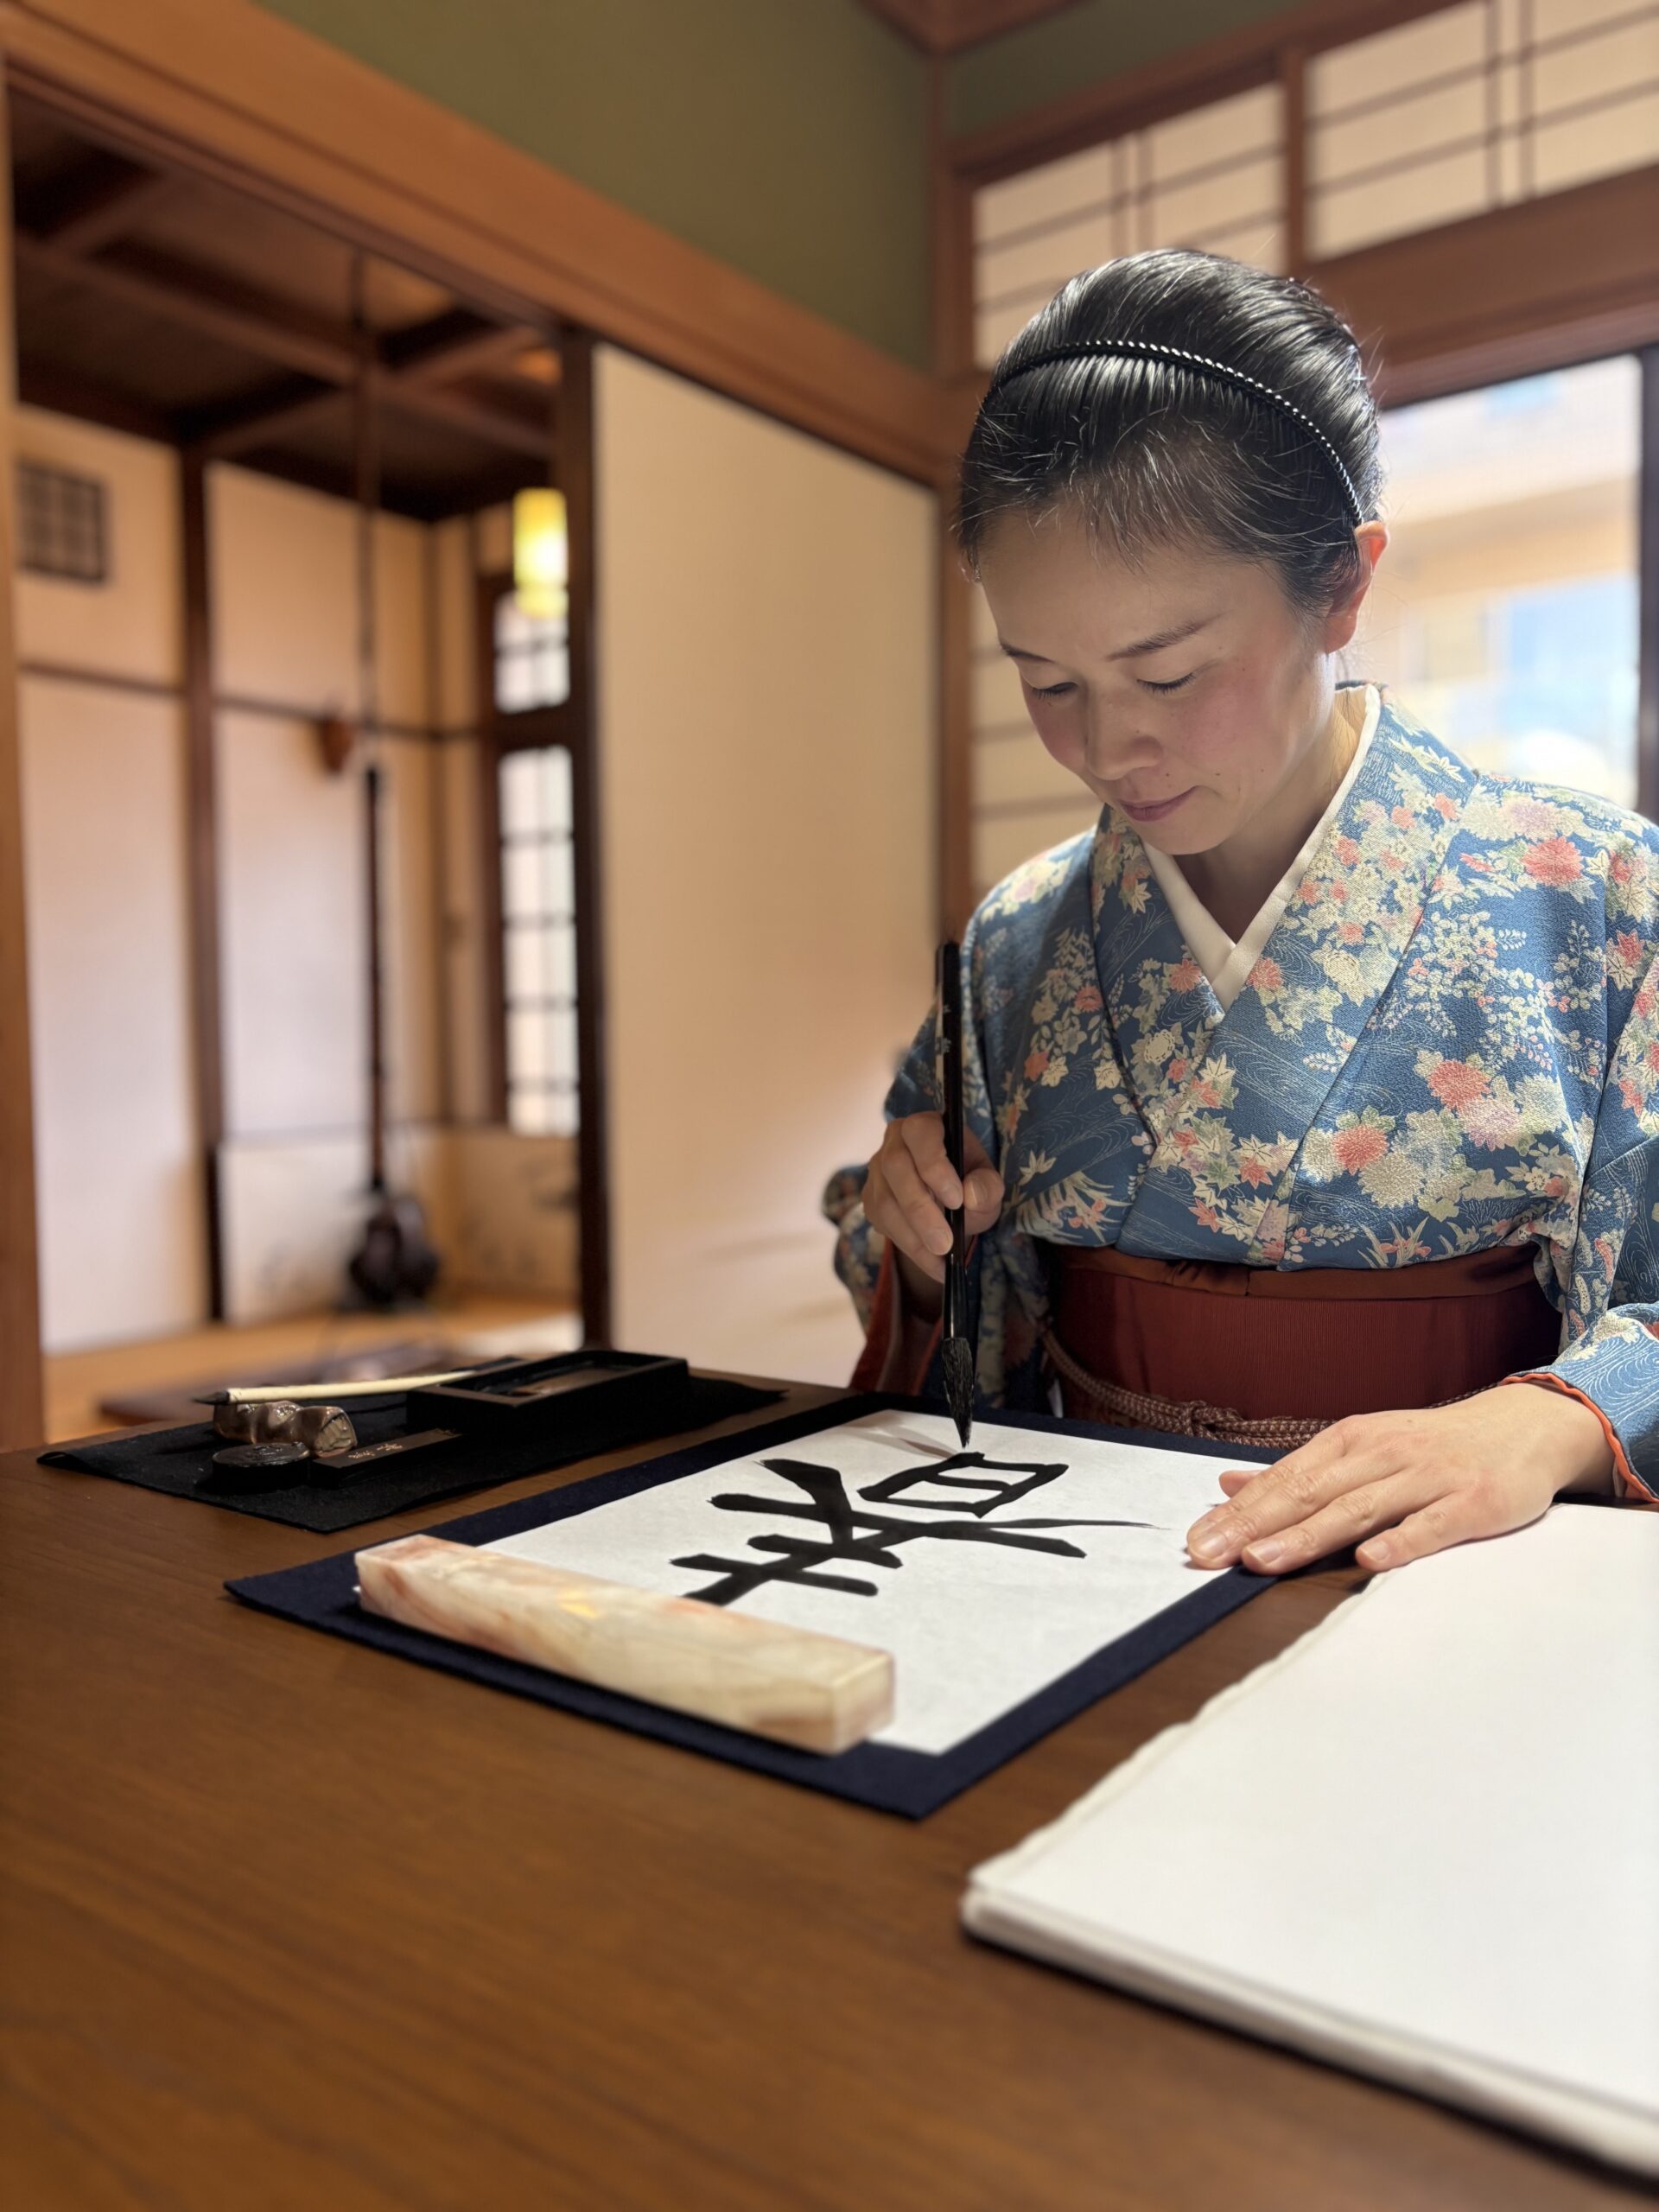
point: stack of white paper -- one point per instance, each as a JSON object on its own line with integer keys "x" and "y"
{"x": 1423, "y": 1843}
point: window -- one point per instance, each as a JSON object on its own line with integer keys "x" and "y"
{"x": 532, "y": 659}
{"x": 538, "y": 929}
{"x": 1505, "y": 612}
{"x": 1474, "y": 106}
{"x": 532, "y": 803}
{"x": 61, "y": 524}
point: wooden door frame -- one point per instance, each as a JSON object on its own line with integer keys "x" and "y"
{"x": 573, "y": 725}
{"x": 22, "y": 1409}
{"x": 576, "y": 468}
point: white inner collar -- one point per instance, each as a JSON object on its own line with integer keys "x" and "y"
{"x": 1227, "y": 964}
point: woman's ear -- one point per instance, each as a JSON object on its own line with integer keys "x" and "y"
{"x": 1343, "y": 620}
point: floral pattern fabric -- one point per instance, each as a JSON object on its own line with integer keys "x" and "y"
{"x": 1450, "y": 1042}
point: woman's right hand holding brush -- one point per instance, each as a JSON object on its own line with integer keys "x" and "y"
{"x": 910, "y": 1184}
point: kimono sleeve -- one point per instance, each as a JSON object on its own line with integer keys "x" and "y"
{"x": 1611, "y": 1359}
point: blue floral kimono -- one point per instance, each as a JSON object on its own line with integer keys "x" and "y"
{"x": 1450, "y": 1042}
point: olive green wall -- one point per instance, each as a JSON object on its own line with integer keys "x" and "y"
{"x": 1083, "y": 45}
{"x": 786, "y": 137}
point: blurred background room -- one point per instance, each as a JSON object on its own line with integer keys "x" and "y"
{"x": 498, "y": 727}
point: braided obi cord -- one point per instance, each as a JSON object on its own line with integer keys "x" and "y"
{"x": 1109, "y": 1402}
{"x": 1119, "y": 1408}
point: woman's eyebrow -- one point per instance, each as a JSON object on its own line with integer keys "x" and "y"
{"x": 1129, "y": 653}
{"x": 1167, "y": 636}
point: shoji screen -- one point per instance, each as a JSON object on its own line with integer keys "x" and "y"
{"x": 1474, "y": 106}
{"x": 766, "y": 729}
{"x": 1211, "y": 178}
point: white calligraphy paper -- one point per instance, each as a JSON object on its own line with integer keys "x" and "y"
{"x": 1439, "y": 1809}
{"x": 986, "y": 1582}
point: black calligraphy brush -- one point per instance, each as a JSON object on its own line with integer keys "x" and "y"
{"x": 957, "y": 1348}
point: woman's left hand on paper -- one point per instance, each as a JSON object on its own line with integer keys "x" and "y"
{"x": 1400, "y": 1485}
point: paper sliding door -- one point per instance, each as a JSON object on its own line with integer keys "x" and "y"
{"x": 765, "y": 610}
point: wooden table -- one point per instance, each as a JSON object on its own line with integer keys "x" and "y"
{"x": 287, "y": 1923}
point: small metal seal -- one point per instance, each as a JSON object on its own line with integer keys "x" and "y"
{"x": 321, "y": 1429}
{"x": 262, "y": 1422}
{"x": 280, "y": 1421}
{"x": 259, "y": 1459}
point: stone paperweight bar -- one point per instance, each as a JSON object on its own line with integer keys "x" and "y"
{"x": 793, "y": 1686}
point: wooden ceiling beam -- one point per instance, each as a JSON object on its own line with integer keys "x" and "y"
{"x": 264, "y": 418}
{"x": 104, "y": 217}
{"x": 99, "y": 200}
{"x": 406, "y": 378}
{"x": 215, "y": 304}
{"x": 319, "y": 353}
{"x": 479, "y": 418}
{"x": 257, "y": 417}
{"x": 456, "y": 343}
{"x": 63, "y": 391}
{"x": 489, "y": 488}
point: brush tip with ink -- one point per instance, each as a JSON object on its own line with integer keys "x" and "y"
{"x": 959, "y": 1385}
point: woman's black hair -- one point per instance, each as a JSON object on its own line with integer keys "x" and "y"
{"x": 1154, "y": 451}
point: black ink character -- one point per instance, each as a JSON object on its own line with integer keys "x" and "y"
{"x": 891, "y": 1487}
{"x": 842, "y": 1538}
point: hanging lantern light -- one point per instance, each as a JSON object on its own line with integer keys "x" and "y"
{"x": 541, "y": 553}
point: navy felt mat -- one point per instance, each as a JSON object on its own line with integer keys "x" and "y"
{"x": 880, "y": 1775}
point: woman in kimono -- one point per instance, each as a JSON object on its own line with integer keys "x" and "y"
{"x": 1313, "y": 1095}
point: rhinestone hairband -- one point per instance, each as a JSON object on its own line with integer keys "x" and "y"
{"x": 1149, "y": 349}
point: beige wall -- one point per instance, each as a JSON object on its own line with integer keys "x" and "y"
{"x": 295, "y": 930}
{"x": 285, "y": 587}
{"x": 118, "y": 1185}
{"x": 123, "y": 1251}
{"x": 118, "y": 1180}
{"x": 767, "y": 716}
{"x": 132, "y": 625}
{"x": 293, "y": 900}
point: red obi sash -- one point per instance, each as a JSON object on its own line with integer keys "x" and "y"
{"x": 1307, "y": 1344}
{"x": 1153, "y": 1343}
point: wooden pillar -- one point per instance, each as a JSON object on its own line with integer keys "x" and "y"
{"x": 202, "y": 847}
{"x": 21, "y": 1415}
{"x": 490, "y": 749}
{"x": 574, "y": 472}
